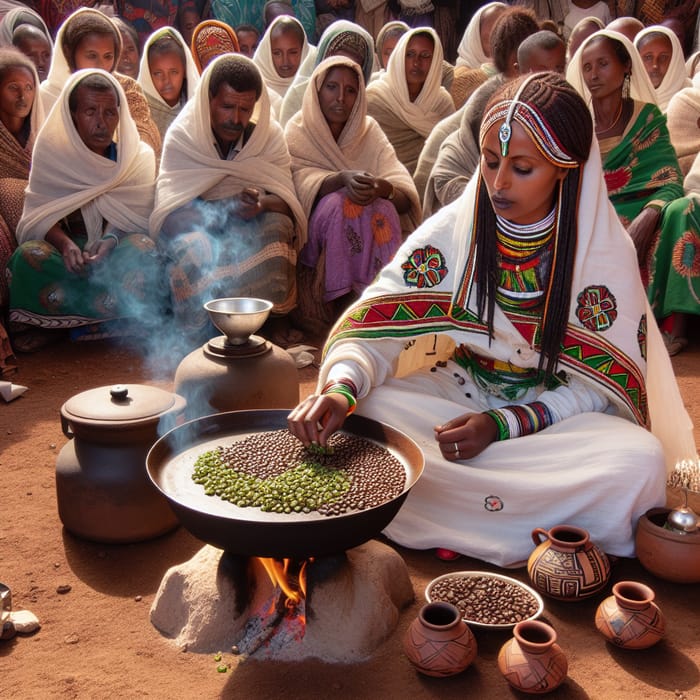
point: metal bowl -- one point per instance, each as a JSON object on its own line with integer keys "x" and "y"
{"x": 238, "y": 317}
{"x": 250, "y": 531}
{"x": 489, "y": 575}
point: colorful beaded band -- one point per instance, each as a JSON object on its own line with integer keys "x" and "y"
{"x": 347, "y": 389}
{"x": 518, "y": 420}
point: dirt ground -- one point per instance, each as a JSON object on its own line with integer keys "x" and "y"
{"x": 96, "y": 641}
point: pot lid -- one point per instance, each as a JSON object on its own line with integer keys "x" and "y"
{"x": 119, "y": 402}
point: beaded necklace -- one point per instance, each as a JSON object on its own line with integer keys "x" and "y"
{"x": 524, "y": 256}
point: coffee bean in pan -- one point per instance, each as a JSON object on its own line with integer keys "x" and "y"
{"x": 485, "y": 599}
{"x": 273, "y": 471}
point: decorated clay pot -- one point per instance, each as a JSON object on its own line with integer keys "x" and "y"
{"x": 629, "y": 618}
{"x": 670, "y": 555}
{"x": 532, "y": 661}
{"x": 566, "y": 565}
{"x": 438, "y": 642}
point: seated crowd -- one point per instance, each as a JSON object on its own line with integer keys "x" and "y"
{"x": 287, "y": 150}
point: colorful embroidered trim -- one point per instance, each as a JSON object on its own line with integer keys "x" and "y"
{"x": 518, "y": 420}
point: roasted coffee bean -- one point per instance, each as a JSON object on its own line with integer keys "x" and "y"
{"x": 274, "y": 472}
{"x": 485, "y": 599}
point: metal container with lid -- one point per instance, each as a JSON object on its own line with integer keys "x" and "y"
{"x": 103, "y": 491}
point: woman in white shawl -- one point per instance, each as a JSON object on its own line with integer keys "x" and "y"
{"x": 84, "y": 255}
{"x": 231, "y": 222}
{"x": 353, "y": 189}
{"x": 682, "y": 118}
{"x": 167, "y": 60}
{"x": 408, "y": 100}
{"x": 474, "y": 48}
{"x": 279, "y": 55}
{"x": 86, "y": 26}
{"x": 529, "y": 385}
{"x": 662, "y": 55}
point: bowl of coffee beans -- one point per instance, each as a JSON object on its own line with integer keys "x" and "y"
{"x": 486, "y": 600}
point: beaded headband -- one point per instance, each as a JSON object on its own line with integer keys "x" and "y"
{"x": 531, "y": 120}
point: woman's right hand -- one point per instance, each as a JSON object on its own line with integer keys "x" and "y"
{"x": 73, "y": 257}
{"x": 317, "y": 417}
{"x": 360, "y": 187}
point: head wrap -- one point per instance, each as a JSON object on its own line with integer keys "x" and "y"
{"x": 470, "y": 52}
{"x": 676, "y": 77}
{"x": 210, "y": 39}
{"x": 641, "y": 88}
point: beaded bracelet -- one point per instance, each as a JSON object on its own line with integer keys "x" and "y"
{"x": 501, "y": 424}
{"x": 521, "y": 419}
{"x": 344, "y": 389}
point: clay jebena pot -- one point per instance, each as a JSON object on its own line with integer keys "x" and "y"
{"x": 629, "y": 618}
{"x": 438, "y": 642}
{"x": 566, "y": 565}
{"x": 532, "y": 661}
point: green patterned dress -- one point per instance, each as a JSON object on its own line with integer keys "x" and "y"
{"x": 642, "y": 170}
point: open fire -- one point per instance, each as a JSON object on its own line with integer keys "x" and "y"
{"x": 282, "y": 617}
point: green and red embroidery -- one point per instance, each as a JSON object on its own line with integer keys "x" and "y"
{"x": 596, "y": 308}
{"x": 425, "y": 267}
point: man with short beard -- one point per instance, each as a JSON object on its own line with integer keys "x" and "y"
{"x": 226, "y": 210}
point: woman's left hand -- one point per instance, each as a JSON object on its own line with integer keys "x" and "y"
{"x": 465, "y": 436}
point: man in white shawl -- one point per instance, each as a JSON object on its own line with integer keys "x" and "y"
{"x": 281, "y": 51}
{"x": 85, "y": 256}
{"x": 450, "y": 346}
{"x": 662, "y": 55}
{"x": 226, "y": 211}
{"x": 408, "y": 100}
{"x": 168, "y": 75}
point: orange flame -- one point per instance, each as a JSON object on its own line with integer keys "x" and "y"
{"x": 280, "y": 576}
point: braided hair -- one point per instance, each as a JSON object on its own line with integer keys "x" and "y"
{"x": 565, "y": 116}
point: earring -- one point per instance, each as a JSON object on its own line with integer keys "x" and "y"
{"x": 626, "y": 86}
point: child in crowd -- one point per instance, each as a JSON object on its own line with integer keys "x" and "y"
{"x": 248, "y": 38}
{"x": 168, "y": 76}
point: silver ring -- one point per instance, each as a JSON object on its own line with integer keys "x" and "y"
{"x": 456, "y": 447}
{"x": 457, "y": 454}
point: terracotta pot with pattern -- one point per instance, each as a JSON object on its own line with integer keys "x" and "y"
{"x": 630, "y": 618}
{"x": 438, "y": 642}
{"x": 532, "y": 661}
{"x": 566, "y": 565}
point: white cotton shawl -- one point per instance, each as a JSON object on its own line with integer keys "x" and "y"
{"x": 604, "y": 254}
{"x": 13, "y": 19}
{"x": 59, "y": 71}
{"x": 145, "y": 80}
{"x": 683, "y": 121}
{"x": 191, "y": 166}
{"x": 676, "y": 77}
{"x": 263, "y": 60}
{"x": 362, "y": 145}
{"x": 390, "y": 91}
{"x": 641, "y": 88}
{"x": 470, "y": 52}
{"x": 67, "y": 176}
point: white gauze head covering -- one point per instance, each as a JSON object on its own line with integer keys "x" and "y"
{"x": 191, "y": 165}
{"x": 676, "y": 77}
{"x": 263, "y": 57}
{"x": 430, "y": 105}
{"x": 66, "y": 175}
{"x": 191, "y": 72}
{"x": 18, "y": 16}
{"x": 470, "y": 52}
{"x": 641, "y": 88}
{"x": 59, "y": 70}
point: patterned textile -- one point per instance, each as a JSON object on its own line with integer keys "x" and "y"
{"x": 241, "y": 258}
{"x": 148, "y": 15}
{"x": 210, "y": 39}
{"x": 642, "y": 168}
{"x": 126, "y": 284}
{"x": 8, "y": 364}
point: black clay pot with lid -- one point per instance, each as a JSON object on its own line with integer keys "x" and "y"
{"x": 102, "y": 487}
